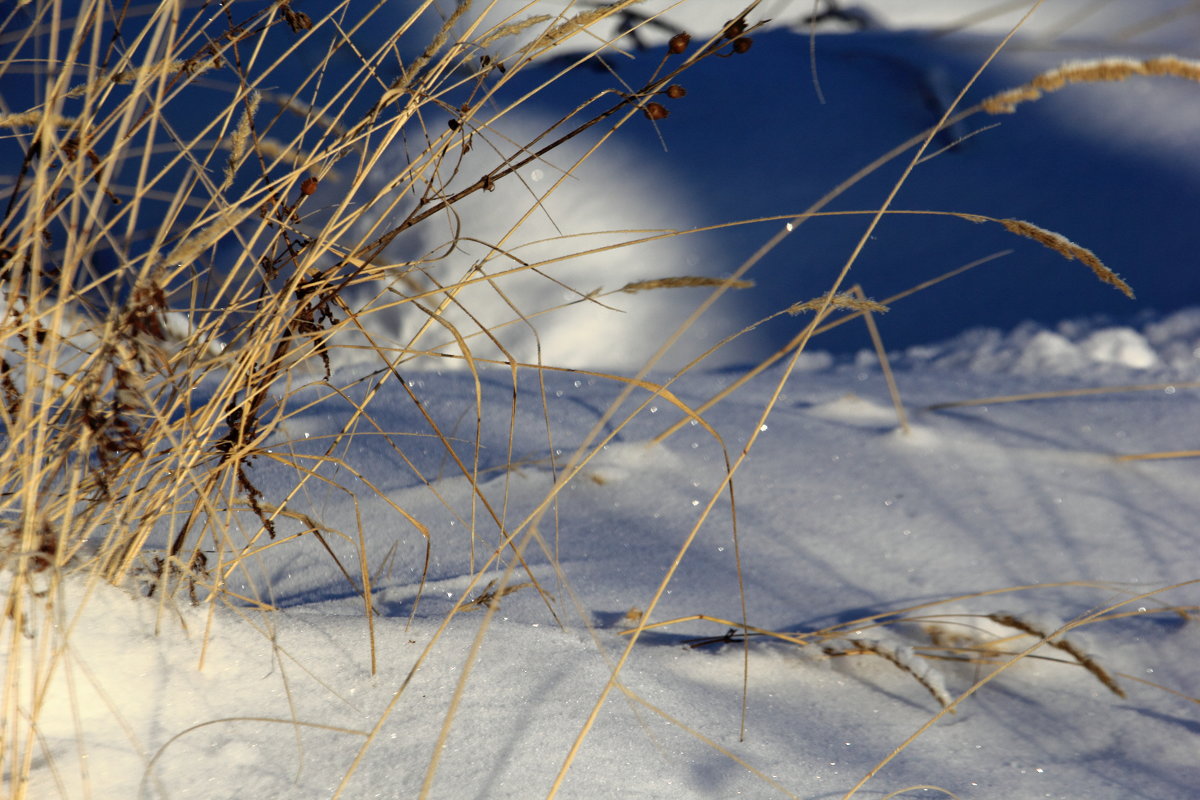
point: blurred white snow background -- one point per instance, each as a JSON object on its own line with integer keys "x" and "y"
{"x": 768, "y": 132}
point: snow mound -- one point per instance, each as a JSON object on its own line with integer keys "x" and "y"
{"x": 1166, "y": 346}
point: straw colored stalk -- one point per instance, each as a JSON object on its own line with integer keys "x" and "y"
{"x": 1103, "y": 70}
{"x": 1045, "y": 632}
{"x": 513, "y": 28}
{"x": 844, "y": 300}
{"x": 684, "y": 282}
{"x": 237, "y": 143}
{"x": 581, "y": 21}
{"x": 1068, "y": 250}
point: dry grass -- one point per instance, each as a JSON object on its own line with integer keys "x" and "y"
{"x": 167, "y": 278}
{"x": 915, "y": 640}
{"x": 154, "y": 317}
{"x": 1068, "y": 250}
{"x": 1105, "y": 70}
{"x": 938, "y": 643}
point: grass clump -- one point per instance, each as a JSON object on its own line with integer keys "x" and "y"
{"x": 192, "y": 210}
{"x": 177, "y": 285}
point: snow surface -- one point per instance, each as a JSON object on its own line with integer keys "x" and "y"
{"x": 1019, "y": 507}
{"x": 840, "y": 517}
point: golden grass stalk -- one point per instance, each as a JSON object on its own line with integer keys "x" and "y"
{"x": 34, "y": 117}
{"x": 1068, "y": 250}
{"x": 780, "y": 353}
{"x": 1064, "y": 393}
{"x": 1052, "y": 637}
{"x": 241, "y": 135}
{"x": 406, "y": 79}
{"x": 1102, "y": 70}
{"x": 709, "y": 742}
{"x": 189, "y": 249}
{"x": 192, "y": 67}
{"x": 901, "y": 657}
{"x": 842, "y": 300}
{"x": 684, "y": 282}
{"x": 1162, "y": 455}
{"x": 885, "y": 363}
{"x": 513, "y": 29}
{"x": 581, "y": 21}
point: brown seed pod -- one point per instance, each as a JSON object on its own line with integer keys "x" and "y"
{"x": 679, "y": 43}
{"x": 675, "y": 91}
{"x": 743, "y": 44}
{"x": 296, "y": 20}
{"x": 656, "y": 111}
{"x": 309, "y": 186}
{"x": 735, "y": 28}
{"x": 452, "y": 124}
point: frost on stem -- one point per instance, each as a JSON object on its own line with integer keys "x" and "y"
{"x": 1047, "y": 631}
{"x": 901, "y": 656}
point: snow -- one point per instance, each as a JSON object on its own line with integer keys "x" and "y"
{"x": 840, "y": 518}
{"x": 844, "y": 523}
